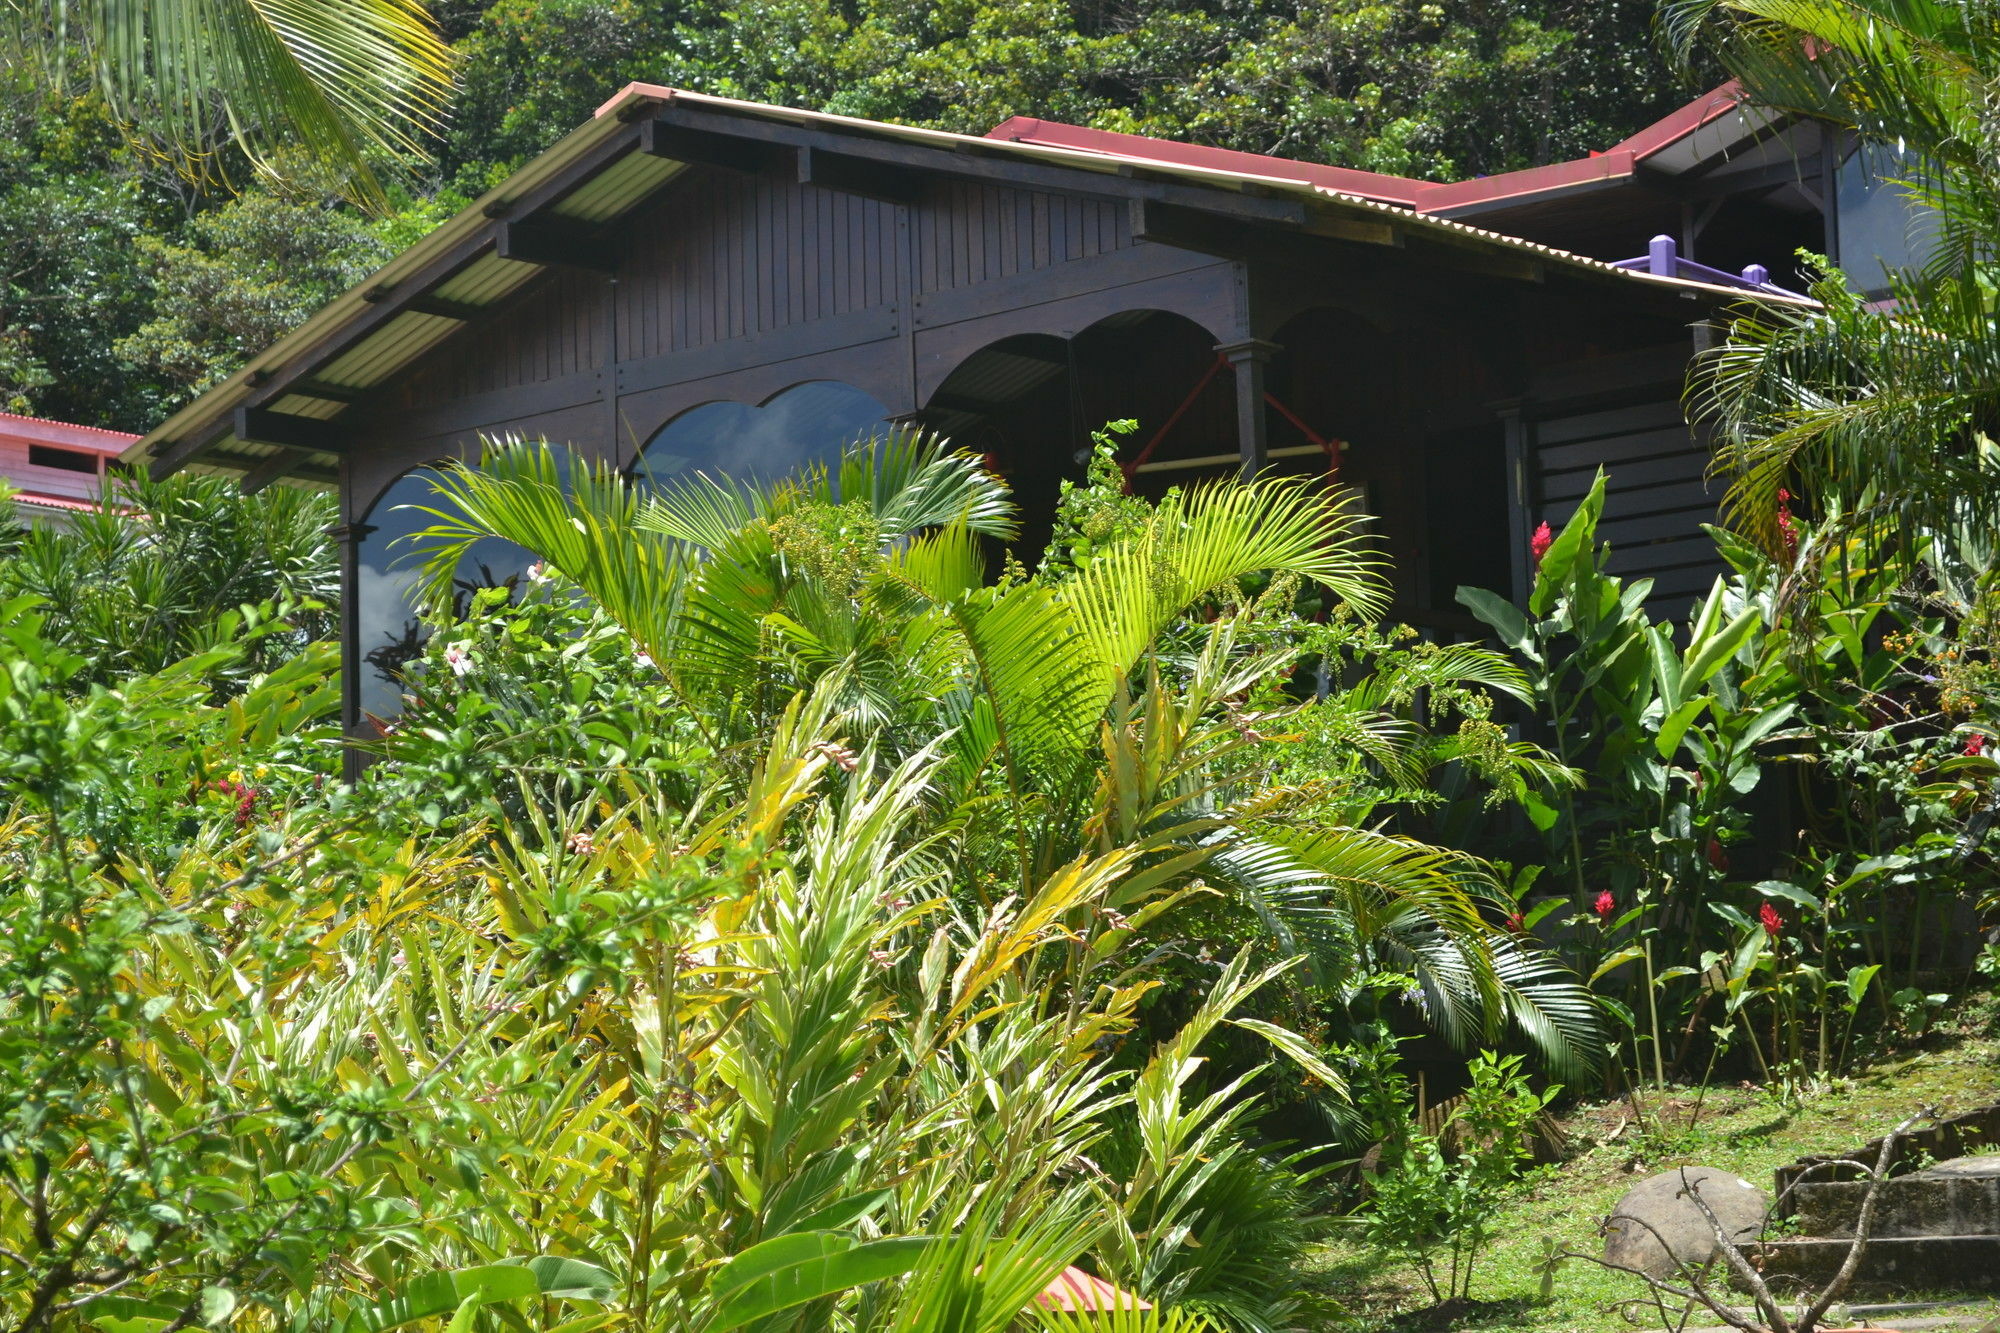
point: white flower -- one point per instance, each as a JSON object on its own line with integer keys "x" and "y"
{"x": 538, "y": 572}
{"x": 458, "y": 659}
{"x": 643, "y": 658}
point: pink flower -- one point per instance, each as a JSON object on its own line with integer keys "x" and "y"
{"x": 1540, "y": 543}
{"x": 1606, "y": 905}
{"x": 1975, "y": 744}
{"x": 1773, "y": 923}
{"x": 1516, "y": 925}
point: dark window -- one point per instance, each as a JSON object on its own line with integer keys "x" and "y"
{"x": 807, "y": 424}
{"x": 69, "y": 460}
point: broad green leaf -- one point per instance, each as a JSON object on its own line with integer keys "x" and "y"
{"x": 127, "y": 1314}
{"x": 791, "y": 1275}
{"x": 1705, "y": 658}
{"x": 468, "y": 1311}
{"x": 1676, "y": 724}
{"x": 845, "y": 1213}
{"x": 1792, "y": 893}
{"x": 1575, "y": 539}
{"x": 435, "y": 1294}
{"x": 1501, "y": 615}
{"x": 1617, "y": 960}
{"x": 564, "y": 1278}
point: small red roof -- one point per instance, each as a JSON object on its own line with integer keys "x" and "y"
{"x": 63, "y": 434}
{"x": 1074, "y": 1289}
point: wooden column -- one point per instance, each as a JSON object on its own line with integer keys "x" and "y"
{"x": 350, "y": 537}
{"x": 1520, "y": 501}
{"x": 1248, "y": 359}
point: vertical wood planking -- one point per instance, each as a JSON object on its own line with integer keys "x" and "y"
{"x": 723, "y": 256}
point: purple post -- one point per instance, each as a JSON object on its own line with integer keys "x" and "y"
{"x": 1663, "y": 258}
{"x": 1757, "y": 275}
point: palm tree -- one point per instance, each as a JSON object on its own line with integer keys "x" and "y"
{"x": 1061, "y": 735}
{"x": 349, "y": 81}
{"x": 1876, "y": 410}
{"x": 165, "y": 568}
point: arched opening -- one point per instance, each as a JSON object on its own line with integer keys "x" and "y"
{"x": 806, "y": 424}
{"x": 1030, "y": 402}
{"x": 388, "y": 632}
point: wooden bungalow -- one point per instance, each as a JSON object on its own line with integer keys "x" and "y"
{"x": 55, "y": 469}
{"x": 689, "y": 282}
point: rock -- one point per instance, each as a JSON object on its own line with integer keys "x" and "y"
{"x": 1656, "y": 1210}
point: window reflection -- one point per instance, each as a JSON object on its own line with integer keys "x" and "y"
{"x": 1879, "y": 229}
{"x": 390, "y": 633}
{"x": 809, "y": 423}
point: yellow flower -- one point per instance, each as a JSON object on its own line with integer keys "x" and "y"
{"x": 236, "y": 776}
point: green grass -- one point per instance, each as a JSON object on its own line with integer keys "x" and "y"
{"x": 1740, "y": 1129}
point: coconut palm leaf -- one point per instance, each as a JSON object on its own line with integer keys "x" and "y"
{"x": 1126, "y": 597}
{"x": 1550, "y": 1007}
{"x": 346, "y": 79}
{"x": 582, "y": 525}
{"x": 1876, "y": 410}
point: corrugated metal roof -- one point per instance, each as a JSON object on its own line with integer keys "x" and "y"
{"x": 617, "y": 188}
{"x": 486, "y": 280}
{"x": 630, "y": 177}
{"x": 380, "y": 355}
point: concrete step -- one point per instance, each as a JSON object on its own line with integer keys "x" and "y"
{"x": 1907, "y": 1263}
{"x": 1916, "y": 1205}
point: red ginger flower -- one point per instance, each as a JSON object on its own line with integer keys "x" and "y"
{"x": 1787, "y": 529}
{"x": 1516, "y": 924}
{"x": 1717, "y": 857}
{"x": 1975, "y": 744}
{"x": 1540, "y": 543}
{"x": 1606, "y": 905}
{"x": 1773, "y": 923}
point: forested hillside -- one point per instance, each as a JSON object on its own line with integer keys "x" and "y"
{"x": 125, "y": 288}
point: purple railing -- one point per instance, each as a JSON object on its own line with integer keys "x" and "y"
{"x": 1663, "y": 259}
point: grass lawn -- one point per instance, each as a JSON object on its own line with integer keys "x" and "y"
{"x": 1740, "y": 1129}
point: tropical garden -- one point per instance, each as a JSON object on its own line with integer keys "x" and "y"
{"x": 793, "y": 906}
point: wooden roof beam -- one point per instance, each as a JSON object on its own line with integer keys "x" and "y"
{"x": 553, "y": 244}
{"x": 706, "y": 148}
{"x": 867, "y": 177}
{"x": 261, "y": 425}
{"x": 279, "y": 466}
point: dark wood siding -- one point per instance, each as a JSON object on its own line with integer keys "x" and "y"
{"x": 729, "y": 256}
{"x": 1656, "y": 498}
{"x": 556, "y": 330}
{"x": 967, "y": 233}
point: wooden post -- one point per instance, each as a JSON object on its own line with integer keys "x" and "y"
{"x": 1248, "y": 359}
{"x": 1520, "y": 501}
{"x": 350, "y": 536}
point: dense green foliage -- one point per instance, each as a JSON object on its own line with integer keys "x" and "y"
{"x": 765, "y": 919}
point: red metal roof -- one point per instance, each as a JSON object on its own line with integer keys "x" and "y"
{"x": 1055, "y": 134}
{"x": 40, "y": 501}
{"x": 63, "y": 434}
{"x": 1438, "y": 198}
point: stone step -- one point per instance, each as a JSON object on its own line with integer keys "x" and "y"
{"x": 1917, "y": 1205}
{"x": 1908, "y": 1263}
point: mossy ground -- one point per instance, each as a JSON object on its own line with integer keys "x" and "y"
{"x": 1740, "y": 1128}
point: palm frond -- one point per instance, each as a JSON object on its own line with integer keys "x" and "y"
{"x": 345, "y": 79}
